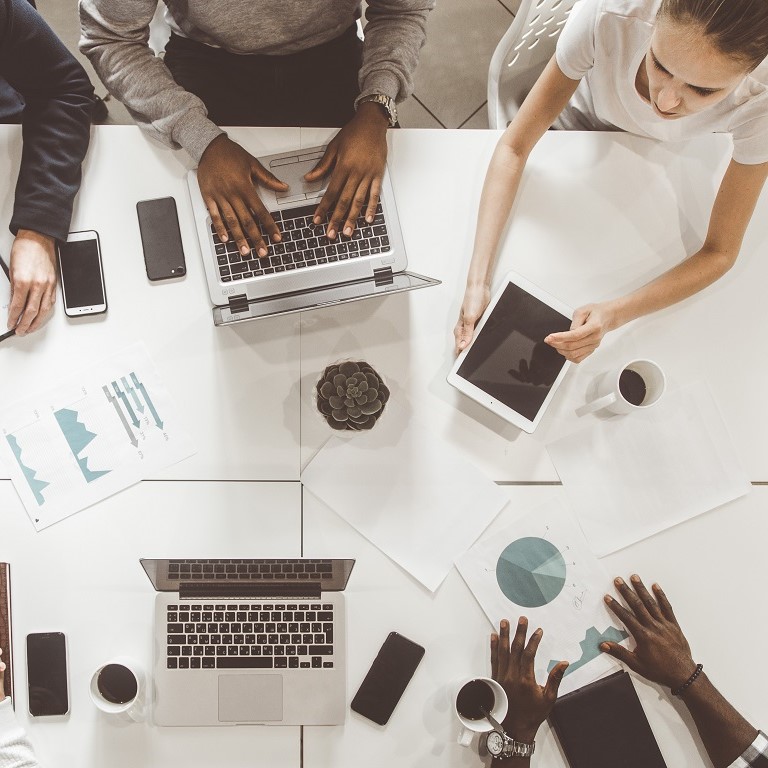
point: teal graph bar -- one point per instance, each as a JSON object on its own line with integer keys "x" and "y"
{"x": 78, "y": 438}
{"x": 590, "y": 647}
{"x": 35, "y": 485}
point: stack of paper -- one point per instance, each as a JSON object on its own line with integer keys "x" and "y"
{"x": 632, "y": 476}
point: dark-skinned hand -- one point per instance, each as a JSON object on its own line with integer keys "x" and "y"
{"x": 512, "y": 666}
{"x": 356, "y": 159}
{"x": 662, "y": 654}
{"x": 227, "y": 176}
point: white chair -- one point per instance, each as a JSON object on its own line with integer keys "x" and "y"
{"x": 521, "y": 55}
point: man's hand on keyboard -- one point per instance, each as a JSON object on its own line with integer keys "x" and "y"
{"x": 356, "y": 159}
{"x": 226, "y": 176}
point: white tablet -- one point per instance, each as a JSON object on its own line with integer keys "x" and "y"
{"x": 508, "y": 368}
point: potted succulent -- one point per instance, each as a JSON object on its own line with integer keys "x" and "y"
{"x": 351, "y": 396}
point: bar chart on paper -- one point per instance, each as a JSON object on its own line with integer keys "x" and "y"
{"x": 90, "y": 437}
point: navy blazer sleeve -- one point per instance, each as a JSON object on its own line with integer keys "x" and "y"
{"x": 55, "y": 122}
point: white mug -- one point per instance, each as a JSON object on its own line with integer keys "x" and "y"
{"x": 133, "y": 709}
{"x": 610, "y": 395}
{"x": 498, "y": 710}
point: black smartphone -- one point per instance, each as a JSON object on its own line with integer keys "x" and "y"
{"x": 47, "y": 674}
{"x": 161, "y": 238}
{"x": 82, "y": 274}
{"x": 390, "y": 673}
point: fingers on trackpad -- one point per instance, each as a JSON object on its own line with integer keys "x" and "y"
{"x": 291, "y": 171}
{"x": 250, "y": 698}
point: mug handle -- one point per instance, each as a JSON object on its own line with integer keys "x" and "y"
{"x": 597, "y": 405}
{"x": 465, "y": 737}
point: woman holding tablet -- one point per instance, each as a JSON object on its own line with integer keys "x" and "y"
{"x": 664, "y": 69}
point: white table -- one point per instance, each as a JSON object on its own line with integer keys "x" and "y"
{"x": 579, "y": 230}
{"x": 236, "y": 388}
{"x": 709, "y": 573}
{"x": 83, "y": 577}
{"x": 597, "y": 214}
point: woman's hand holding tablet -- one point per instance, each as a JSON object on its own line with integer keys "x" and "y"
{"x": 508, "y": 367}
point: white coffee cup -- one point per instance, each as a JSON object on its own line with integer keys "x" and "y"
{"x": 617, "y": 395}
{"x": 498, "y": 710}
{"x": 133, "y": 708}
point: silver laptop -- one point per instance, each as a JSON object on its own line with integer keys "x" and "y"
{"x": 306, "y": 270}
{"x": 249, "y": 641}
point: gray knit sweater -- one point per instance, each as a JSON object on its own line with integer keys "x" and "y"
{"x": 115, "y": 34}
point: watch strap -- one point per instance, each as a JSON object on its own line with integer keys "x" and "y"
{"x": 386, "y": 102}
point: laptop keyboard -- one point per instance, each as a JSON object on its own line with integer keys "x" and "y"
{"x": 262, "y": 635}
{"x": 304, "y": 244}
{"x": 250, "y": 570}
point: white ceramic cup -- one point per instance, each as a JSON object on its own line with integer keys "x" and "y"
{"x": 610, "y": 397}
{"x": 133, "y": 709}
{"x": 498, "y": 710}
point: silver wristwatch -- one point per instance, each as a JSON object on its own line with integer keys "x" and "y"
{"x": 389, "y": 106}
{"x": 499, "y": 744}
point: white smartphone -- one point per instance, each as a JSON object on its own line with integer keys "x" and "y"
{"x": 82, "y": 275}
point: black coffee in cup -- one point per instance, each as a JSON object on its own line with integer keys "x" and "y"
{"x": 474, "y": 697}
{"x": 632, "y": 386}
{"x": 117, "y": 684}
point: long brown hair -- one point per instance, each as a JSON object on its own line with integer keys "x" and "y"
{"x": 738, "y": 28}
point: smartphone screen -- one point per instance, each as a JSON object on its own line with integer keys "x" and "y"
{"x": 390, "y": 673}
{"x": 161, "y": 238}
{"x": 82, "y": 278}
{"x": 47, "y": 674}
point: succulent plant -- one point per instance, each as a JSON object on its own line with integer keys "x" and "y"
{"x": 351, "y": 395}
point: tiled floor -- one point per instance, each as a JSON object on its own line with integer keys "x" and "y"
{"x": 450, "y": 85}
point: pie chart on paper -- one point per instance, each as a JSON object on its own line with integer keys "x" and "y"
{"x": 531, "y": 572}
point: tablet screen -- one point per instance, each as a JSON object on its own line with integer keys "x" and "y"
{"x": 509, "y": 360}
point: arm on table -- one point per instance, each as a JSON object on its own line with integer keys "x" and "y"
{"x": 357, "y": 155}
{"x": 15, "y": 749}
{"x": 544, "y": 103}
{"x": 56, "y": 128}
{"x": 662, "y": 655}
{"x": 731, "y": 213}
{"x": 512, "y": 665}
{"x": 116, "y": 40}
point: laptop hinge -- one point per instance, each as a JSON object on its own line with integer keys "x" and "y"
{"x": 383, "y": 276}
{"x": 249, "y": 590}
{"x": 238, "y": 303}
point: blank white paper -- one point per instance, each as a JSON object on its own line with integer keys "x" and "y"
{"x": 408, "y": 492}
{"x": 632, "y": 476}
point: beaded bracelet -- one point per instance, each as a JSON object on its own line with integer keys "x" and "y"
{"x": 689, "y": 681}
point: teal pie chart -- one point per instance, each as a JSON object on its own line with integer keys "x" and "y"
{"x": 531, "y": 572}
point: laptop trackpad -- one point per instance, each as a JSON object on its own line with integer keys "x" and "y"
{"x": 293, "y": 175}
{"x": 244, "y": 698}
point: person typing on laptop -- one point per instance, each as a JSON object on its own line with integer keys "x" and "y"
{"x": 661, "y": 655}
{"x": 44, "y": 88}
{"x": 258, "y": 64}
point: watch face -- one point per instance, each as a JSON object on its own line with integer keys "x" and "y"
{"x": 495, "y": 743}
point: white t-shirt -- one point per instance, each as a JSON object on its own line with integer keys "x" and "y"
{"x": 603, "y": 44}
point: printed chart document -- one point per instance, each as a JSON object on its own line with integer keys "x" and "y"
{"x": 411, "y": 495}
{"x": 541, "y": 567}
{"x": 631, "y": 476}
{"x": 101, "y": 431}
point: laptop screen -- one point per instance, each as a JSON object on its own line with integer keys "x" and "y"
{"x": 169, "y": 575}
{"x": 313, "y": 298}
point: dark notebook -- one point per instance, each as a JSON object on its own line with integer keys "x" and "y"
{"x": 5, "y": 626}
{"x": 603, "y": 725}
